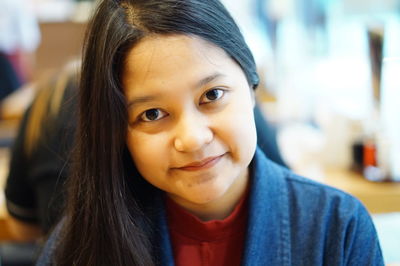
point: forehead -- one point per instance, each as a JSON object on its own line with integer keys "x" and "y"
{"x": 160, "y": 60}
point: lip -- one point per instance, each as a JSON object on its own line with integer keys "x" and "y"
{"x": 203, "y": 164}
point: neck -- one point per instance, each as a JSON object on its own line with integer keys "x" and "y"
{"x": 221, "y": 207}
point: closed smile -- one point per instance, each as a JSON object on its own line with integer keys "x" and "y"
{"x": 200, "y": 165}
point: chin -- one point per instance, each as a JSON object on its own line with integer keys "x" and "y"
{"x": 207, "y": 195}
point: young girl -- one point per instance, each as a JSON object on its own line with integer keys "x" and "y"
{"x": 167, "y": 168}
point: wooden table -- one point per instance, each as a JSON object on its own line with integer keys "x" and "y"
{"x": 4, "y": 159}
{"x": 377, "y": 197}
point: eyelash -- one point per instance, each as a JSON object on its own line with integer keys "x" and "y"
{"x": 142, "y": 116}
{"x": 214, "y": 89}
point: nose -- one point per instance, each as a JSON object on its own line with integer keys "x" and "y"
{"x": 193, "y": 132}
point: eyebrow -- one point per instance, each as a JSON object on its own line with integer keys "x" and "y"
{"x": 199, "y": 84}
{"x": 143, "y": 99}
{"x": 208, "y": 79}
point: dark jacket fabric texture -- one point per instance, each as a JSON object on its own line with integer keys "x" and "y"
{"x": 292, "y": 221}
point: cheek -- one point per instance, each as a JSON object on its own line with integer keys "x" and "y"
{"x": 147, "y": 151}
{"x": 237, "y": 129}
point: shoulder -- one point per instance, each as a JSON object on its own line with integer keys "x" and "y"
{"x": 317, "y": 215}
{"x": 310, "y": 205}
{"x": 334, "y": 219}
{"x": 301, "y": 192}
{"x": 304, "y": 193}
{"x": 296, "y": 183}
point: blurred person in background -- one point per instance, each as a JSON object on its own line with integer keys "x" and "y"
{"x": 39, "y": 159}
{"x": 19, "y": 36}
{"x": 9, "y": 80}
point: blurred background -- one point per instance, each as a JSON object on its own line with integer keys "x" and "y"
{"x": 330, "y": 87}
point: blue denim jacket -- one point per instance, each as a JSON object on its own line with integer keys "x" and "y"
{"x": 292, "y": 221}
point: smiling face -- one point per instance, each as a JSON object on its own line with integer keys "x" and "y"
{"x": 191, "y": 128}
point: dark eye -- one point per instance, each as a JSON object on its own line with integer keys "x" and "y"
{"x": 212, "y": 95}
{"x": 152, "y": 115}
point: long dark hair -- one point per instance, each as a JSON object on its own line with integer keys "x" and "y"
{"x": 105, "y": 221}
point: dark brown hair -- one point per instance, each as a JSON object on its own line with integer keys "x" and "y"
{"x": 105, "y": 221}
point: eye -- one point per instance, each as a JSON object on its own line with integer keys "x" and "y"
{"x": 152, "y": 115}
{"x": 212, "y": 95}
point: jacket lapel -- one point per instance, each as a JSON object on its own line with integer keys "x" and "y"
{"x": 161, "y": 243}
{"x": 268, "y": 239}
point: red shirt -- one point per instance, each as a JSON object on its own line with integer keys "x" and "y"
{"x": 216, "y": 242}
